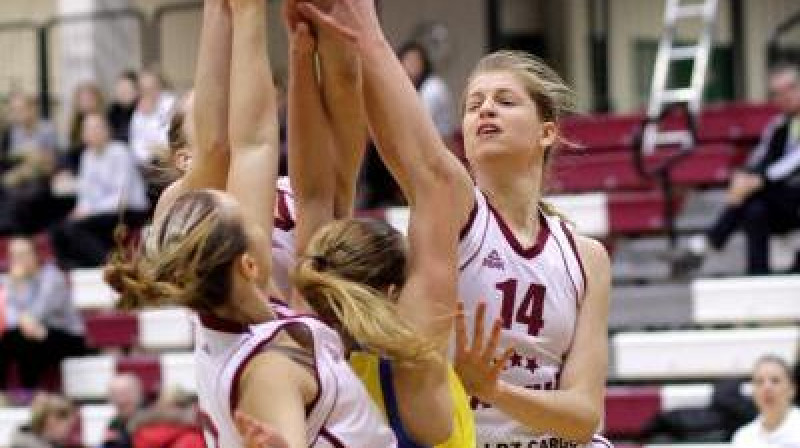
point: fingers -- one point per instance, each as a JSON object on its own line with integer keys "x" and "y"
{"x": 477, "y": 335}
{"x": 302, "y": 41}
{"x": 494, "y": 340}
{"x": 461, "y": 330}
{"x": 325, "y": 22}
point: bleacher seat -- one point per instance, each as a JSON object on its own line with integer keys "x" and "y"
{"x": 698, "y": 353}
{"x": 636, "y": 212}
{"x": 628, "y": 409}
{"x": 88, "y": 377}
{"x": 94, "y": 422}
{"x": 110, "y": 329}
{"x": 747, "y": 299}
{"x": 178, "y": 369}
{"x": 89, "y": 291}
{"x": 650, "y": 305}
{"x": 165, "y": 329}
{"x": 588, "y": 211}
{"x": 10, "y": 420}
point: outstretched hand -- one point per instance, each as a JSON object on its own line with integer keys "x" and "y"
{"x": 476, "y": 364}
{"x": 347, "y": 20}
{"x": 257, "y": 434}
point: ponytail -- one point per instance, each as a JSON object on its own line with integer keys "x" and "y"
{"x": 362, "y": 312}
{"x": 551, "y": 210}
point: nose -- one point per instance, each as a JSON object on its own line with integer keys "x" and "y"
{"x": 487, "y": 110}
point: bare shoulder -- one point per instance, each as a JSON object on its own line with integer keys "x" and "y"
{"x": 596, "y": 260}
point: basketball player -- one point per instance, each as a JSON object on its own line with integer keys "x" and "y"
{"x": 537, "y": 277}
{"x": 368, "y": 261}
{"x": 210, "y": 252}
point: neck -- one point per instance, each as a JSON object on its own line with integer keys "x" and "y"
{"x": 772, "y": 420}
{"x": 515, "y": 195}
{"x": 248, "y": 307}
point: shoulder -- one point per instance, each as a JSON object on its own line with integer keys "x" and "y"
{"x": 745, "y": 435}
{"x": 593, "y": 253}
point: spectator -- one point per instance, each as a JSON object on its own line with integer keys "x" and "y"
{"x": 150, "y": 120}
{"x": 432, "y": 89}
{"x": 126, "y": 395}
{"x": 172, "y": 422}
{"x": 53, "y": 420}
{"x": 764, "y": 197}
{"x": 109, "y": 185}
{"x": 42, "y": 326}
{"x": 87, "y": 98}
{"x": 27, "y": 157}
{"x": 778, "y": 423}
{"x": 120, "y": 112}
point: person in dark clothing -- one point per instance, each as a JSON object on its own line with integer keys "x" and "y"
{"x": 763, "y": 197}
{"x": 42, "y": 327}
{"x": 120, "y": 111}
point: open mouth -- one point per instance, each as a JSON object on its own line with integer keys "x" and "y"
{"x": 488, "y": 130}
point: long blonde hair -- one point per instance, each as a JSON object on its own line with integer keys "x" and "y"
{"x": 185, "y": 258}
{"x": 554, "y": 99}
{"x": 348, "y": 268}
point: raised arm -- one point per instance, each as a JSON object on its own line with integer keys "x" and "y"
{"x": 403, "y": 131}
{"x": 209, "y": 114}
{"x": 253, "y": 123}
{"x": 311, "y": 161}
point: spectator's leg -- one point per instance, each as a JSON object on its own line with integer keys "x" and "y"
{"x": 26, "y": 354}
{"x": 4, "y": 361}
{"x": 756, "y": 216}
{"x": 724, "y": 227}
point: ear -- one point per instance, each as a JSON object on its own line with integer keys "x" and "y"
{"x": 182, "y": 160}
{"x": 248, "y": 267}
{"x": 549, "y": 134}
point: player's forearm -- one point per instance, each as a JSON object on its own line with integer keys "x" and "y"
{"x": 564, "y": 413}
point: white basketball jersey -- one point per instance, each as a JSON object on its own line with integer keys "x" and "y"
{"x": 283, "y": 246}
{"x": 534, "y": 291}
{"x": 342, "y": 415}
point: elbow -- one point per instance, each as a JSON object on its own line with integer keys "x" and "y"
{"x": 585, "y": 425}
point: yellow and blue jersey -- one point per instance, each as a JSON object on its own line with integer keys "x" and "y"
{"x": 376, "y": 374}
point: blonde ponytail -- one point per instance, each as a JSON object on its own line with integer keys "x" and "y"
{"x": 364, "y": 314}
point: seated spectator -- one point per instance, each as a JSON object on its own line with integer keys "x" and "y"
{"x": 126, "y": 395}
{"x": 110, "y": 188}
{"x": 172, "y": 422}
{"x": 86, "y": 99}
{"x": 764, "y": 197}
{"x": 53, "y": 420}
{"x": 148, "y": 128}
{"x": 122, "y": 107}
{"x": 778, "y": 422}
{"x": 41, "y": 325}
{"x": 28, "y": 149}
{"x": 432, "y": 89}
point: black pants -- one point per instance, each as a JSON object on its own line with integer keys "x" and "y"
{"x": 773, "y": 210}
{"x": 87, "y": 242}
{"x": 33, "y": 358}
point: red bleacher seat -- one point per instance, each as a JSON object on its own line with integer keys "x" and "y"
{"x": 601, "y": 131}
{"x": 112, "y": 329}
{"x": 636, "y": 212}
{"x": 628, "y": 409}
{"x": 146, "y": 367}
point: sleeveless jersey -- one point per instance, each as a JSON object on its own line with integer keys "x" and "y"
{"x": 536, "y": 292}
{"x": 283, "y": 244}
{"x": 342, "y": 415}
{"x": 376, "y": 374}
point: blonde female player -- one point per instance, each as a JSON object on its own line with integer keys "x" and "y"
{"x": 536, "y": 276}
{"x": 210, "y": 252}
{"x": 368, "y": 261}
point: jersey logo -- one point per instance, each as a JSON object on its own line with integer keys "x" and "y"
{"x": 494, "y": 261}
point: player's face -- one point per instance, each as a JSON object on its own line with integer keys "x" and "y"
{"x": 502, "y": 120}
{"x": 772, "y": 389}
